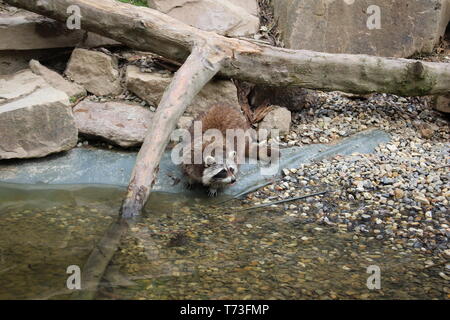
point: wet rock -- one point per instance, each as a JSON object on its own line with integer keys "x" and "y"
{"x": 279, "y": 118}
{"x": 94, "y": 166}
{"x": 55, "y": 80}
{"x": 97, "y": 72}
{"x": 342, "y": 26}
{"x": 120, "y": 123}
{"x": 178, "y": 240}
{"x": 151, "y": 86}
{"x": 36, "y": 119}
{"x": 227, "y": 17}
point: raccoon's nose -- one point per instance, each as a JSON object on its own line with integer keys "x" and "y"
{"x": 233, "y": 180}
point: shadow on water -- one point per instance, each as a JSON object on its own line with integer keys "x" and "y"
{"x": 184, "y": 248}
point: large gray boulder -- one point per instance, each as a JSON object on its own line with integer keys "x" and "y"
{"x": 97, "y": 72}
{"x": 227, "y": 17}
{"x": 116, "y": 122}
{"x": 35, "y": 119}
{"x": 341, "y": 26}
{"x": 150, "y": 87}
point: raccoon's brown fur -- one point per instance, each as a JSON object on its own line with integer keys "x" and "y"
{"x": 220, "y": 117}
{"x": 223, "y": 117}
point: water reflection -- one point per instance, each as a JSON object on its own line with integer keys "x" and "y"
{"x": 187, "y": 249}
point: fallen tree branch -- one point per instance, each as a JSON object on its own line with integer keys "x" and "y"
{"x": 149, "y": 30}
{"x": 196, "y": 72}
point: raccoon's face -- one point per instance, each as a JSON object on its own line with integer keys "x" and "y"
{"x": 220, "y": 174}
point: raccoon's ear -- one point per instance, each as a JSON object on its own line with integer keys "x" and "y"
{"x": 232, "y": 155}
{"x": 209, "y": 161}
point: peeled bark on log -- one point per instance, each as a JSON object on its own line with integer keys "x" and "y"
{"x": 149, "y": 30}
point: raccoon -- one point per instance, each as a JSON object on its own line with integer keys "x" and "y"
{"x": 218, "y": 171}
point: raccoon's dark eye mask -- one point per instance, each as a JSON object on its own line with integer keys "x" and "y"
{"x": 221, "y": 175}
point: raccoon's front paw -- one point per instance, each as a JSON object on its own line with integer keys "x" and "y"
{"x": 189, "y": 185}
{"x": 212, "y": 192}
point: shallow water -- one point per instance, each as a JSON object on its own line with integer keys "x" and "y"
{"x": 189, "y": 249}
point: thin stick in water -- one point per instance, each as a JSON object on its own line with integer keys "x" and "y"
{"x": 284, "y": 201}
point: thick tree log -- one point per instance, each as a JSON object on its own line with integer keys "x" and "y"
{"x": 149, "y": 30}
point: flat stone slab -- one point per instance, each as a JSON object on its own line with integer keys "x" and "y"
{"x": 120, "y": 123}
{"x": 23, "y": 30}
{"x": 57, "y": 81}
{"x": 35, "y": 118}
{"x": 390, "y": 28}
{"x": 93, "y": 166}
{"x": 21, "y": 84}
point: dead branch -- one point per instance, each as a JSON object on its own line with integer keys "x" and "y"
{"x": 198, "y": 69}
{"x": 264, "y": 205}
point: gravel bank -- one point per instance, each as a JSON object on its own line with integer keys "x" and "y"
{"x": 399, "y": 195}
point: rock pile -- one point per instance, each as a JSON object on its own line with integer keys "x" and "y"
{"x": 399, "y": 195}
